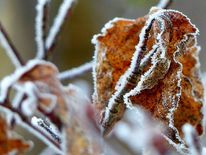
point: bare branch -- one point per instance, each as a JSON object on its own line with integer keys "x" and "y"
{"x": 55, "y": 29}
{"x": 40, "y": 26}
{"x": 45, "y": 126}
{"x": 26, "y": 123}
{"x": 164, "y": 4}
{"x": 69, "y": 74}
{"x": 10, "y": 49}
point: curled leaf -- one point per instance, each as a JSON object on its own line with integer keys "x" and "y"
{"x": 151, "y": 62}
{"x": 38, "y": 82}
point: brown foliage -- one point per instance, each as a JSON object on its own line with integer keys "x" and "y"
{"x": 165, "y": 79}
{"x": 67, "y": 108}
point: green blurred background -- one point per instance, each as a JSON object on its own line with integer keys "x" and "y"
{"x": 88, "y": 17}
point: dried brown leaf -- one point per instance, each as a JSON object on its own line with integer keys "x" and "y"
{"x": 163, "y": 78}
{"x": 67, "y": 104}
{"x": 113, "y": 56}
{"x": 44, "y": 76}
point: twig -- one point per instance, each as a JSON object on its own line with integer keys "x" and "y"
{"x": 60, "y": 19}
{"x": 10, "y": 49}
{"x": 69, "y": 74}
{"x": 164, "y": 4}
{"x": 46, "y": 126}
{"x": 40, "y": 26}
{"x": 29, "y": 125}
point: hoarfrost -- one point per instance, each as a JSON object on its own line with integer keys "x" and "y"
{"x": 128, "y": 73}
{"x": 94, "y": 41}
{"x": 28, "y": 88}
{"x": 158, "y": 61}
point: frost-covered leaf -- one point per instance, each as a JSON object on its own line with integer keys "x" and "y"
{"x": 150, "y": 62}
{"x": 8, "y": 143}
{"x": 47, "y": 87}
{"x": 38, "y": 82}
{"x": 37, "y": 92}
{"x": 75, "y": 129}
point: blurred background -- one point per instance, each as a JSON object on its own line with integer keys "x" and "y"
{"x": 88, "y": 17}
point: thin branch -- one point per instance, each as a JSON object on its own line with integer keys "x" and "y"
{"x": 10, "y": 49}
{"x": 46, "y": 126}
{"x": 164, "y": 4}
{"x": 40, "y": 26}
{"x": 59, "y": 20}
{"x": 28, "y": 124}
{"x": 69, "y": 74}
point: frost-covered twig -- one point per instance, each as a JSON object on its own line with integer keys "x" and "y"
{"x": 45, "y": 126}
{"x": 26, "y": 123}
{"x": 10, "y": 49}
{"x": 63, "y": 12}
{"x": 164, "y": 4}
{"x": 69, "y": 74}
{"x": 40, "y": 26}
